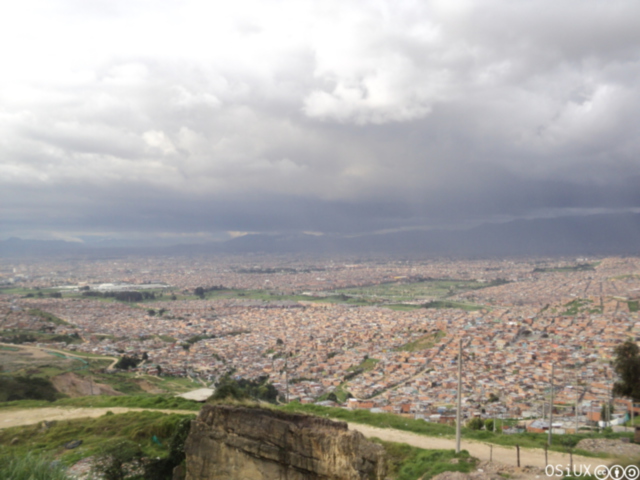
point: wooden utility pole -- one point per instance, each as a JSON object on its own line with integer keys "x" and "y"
{"x": 459, "y": 403}
{"x": 551, "y": 405}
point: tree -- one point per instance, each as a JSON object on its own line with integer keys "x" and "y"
{"x": 126, "y": 362}
{"x": 475, "y": 423}
{"x": 627, "y": 367}
{"x": 603, "y": 412}
{"x": 488, "y": 424}
{"x": 199, "y": 292}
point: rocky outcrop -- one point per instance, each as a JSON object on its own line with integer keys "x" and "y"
{"x": 244, "y": 443}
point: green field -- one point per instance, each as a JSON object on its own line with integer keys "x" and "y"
{"x": 424, "y": 342}
{"x": 399, "y": 292}
{"x": 580, "y": 267}
{"x": 580, "y": 305}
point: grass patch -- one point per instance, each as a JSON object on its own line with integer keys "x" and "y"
{"x": 469, "y": 307}
{"x": 166, "y": 338}
{"x": 411, "y": 463}
{"x": 19, "y": 336}
{"x": 31, "y": 467}
{"x": 402, "y": 307}
{"x": 138, "y": 427}
{"x": 389, "y": 420}
{"x": 633, "y": 305}
{"x": 26, "y": 388}
{"x": 366, "y": 365}
{"x": 580, "y": 305}
{"x": 424, "y": 342}
{"x": 418, "y": 289}
{"x": 46, "y": 316}
{"x": 580, "y": 267}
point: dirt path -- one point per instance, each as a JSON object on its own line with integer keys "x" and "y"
{"x": 504, "y": 455}
{"x": 507, "y": 455}
{"x": 38, "y": 351}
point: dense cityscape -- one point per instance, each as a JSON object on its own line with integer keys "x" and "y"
{"x": 377, "y": 334}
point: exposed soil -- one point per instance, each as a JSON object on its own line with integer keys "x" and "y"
{"x": 76, "y": 386}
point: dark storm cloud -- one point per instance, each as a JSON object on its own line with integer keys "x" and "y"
{"x": 342, "y": 118}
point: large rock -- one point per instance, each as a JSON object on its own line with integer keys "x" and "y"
{"x": 242, "y": 443}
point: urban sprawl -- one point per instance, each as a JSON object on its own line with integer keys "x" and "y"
{"x": 354, "y": 333}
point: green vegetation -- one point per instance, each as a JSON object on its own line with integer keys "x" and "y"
{"x": 627, "y": 367}
{"x": 165, "y": 402}
{"x": 27, "y": 388}
{"x": 338, "y": 395}
{"x": 366, "y": 365}
{"x": 19, "y": 336}
{"x": 126, "y": 362}
{"x": 580, "y": 267}
{"x": 419, "y": 289}
{"x": 137, "y": 427}
{"x": 634, "y": 305}
{"x": 31, "y": 467}
{"x": 475, "y": 423}
{"x": 389, "y": 420}
{"x": 470, "y": 307}
{"x": 424, "y": 342}
{"x": 410, "y": 463}
{"x": 47, "y": 317}
{"x": 166, "y": 338}
{"x": 243, "y": 389}
{"x": 580, "y": 305}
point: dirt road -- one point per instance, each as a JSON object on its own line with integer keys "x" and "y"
{"x": 505, "y": 455}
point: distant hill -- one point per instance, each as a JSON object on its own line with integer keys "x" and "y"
{"x": 587, "y": 235}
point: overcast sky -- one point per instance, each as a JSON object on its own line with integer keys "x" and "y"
{"x": 200, "y": 120}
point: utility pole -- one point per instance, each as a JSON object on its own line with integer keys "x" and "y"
{"x": 459, "y": 404}
{"x": 577, "y": 401}
{"x": 551, "y": 405}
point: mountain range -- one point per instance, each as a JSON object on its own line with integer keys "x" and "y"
{"x": 611, "y": 234}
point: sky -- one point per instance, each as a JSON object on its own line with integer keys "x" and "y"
{"x": 190, "y": 121}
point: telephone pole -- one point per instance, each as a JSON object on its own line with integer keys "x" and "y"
{"x": 551, "y": 405}
{"x": 459, "y": 404}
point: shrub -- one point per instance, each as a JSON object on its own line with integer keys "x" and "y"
{"x": 475, "y": 424}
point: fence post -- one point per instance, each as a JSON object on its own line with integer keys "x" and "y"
{"x": 490, "y": 453}
{"x": 571, "y": 459}
{"x": 518, "y": 450}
